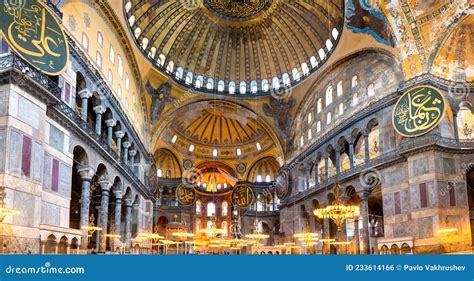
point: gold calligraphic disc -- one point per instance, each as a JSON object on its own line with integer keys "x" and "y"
{"x": 35, "y": 34}
{"x": 186, "y": 195}
{"x": 418, "y": 111}
{"x": 242, "y": 196}
{"x": 281, "y": 185}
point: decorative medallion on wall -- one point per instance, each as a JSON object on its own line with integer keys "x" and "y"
{"x": 34, "y": 34}
{"x": 281, "y": 185}
{"x": 186, "y": 195}
{"x": 241, "y": 168}
{"x": 242, "y": 196}
{"x": 418, "y": 111}
{"x": 187, "y": 164}
{"x": 153, "y": 178}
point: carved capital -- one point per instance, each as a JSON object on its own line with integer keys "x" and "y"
{"x": 99, "y": 109}
{"x": 86, "y": 173}
{"x": 132, "y": 152}
{"x": 119, "y": 134}
{"x": 110, "y": 123}
{"x": 85, "y": 94}
{"x": 126, "y": 144}
{"x": 364, "y": 194}
{"x": 104, "y": 184}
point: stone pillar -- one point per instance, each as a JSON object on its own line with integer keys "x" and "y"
{"x": 86, "y": 176}
{"x": 338, "y": 159}
{"x": 364, "y": 209}
{"x": 356, "y": 235}
{"x": 110, "y": 130}
{"x": 367, "y": 148}
{"x": 118, "y": 211}
{"x": 128, "y": 222}
{"x": 326, "y": 168}
{"x": 159, "y": 200}
{"x": 455, "y": 124}
{"x": 316, "y": 172}
{"x": 85, "y": 95}
{"x": 99, "y": 110}
{"x": 132, "y": 153}
{"x": 68, "y": 248}
{"x": 105, "y": 186}
{"x": 119, "y": 135}
{"x": 126, "y": 145}
{"x": 351, "y": 154}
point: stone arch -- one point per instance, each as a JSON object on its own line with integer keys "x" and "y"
{"x": 50, "y": 244}
{"x": 167, "y": 163}
{"x": 63, "y": 245}
{"x": 264, "y": 166}
{"x": 80, "y": 162}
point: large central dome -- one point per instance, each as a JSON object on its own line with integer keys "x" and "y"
{"x": 236, "y": 47}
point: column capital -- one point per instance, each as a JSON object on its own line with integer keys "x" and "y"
{"x": 85, "y": 94}
{"x": 364, "y": 194}
{"x": 110, "y": 122}
{"x": 365, "y": 132}
{"x": 86, "y": 173}
{"x": 104, "y": 184}
{"x": 126, "y": 144}
{"x": 99, "y": 109}
{"x": 128, "y": 202}
{"x": 132, "y": 152}
{"x": 118, "y": 193}
{"x": 119, "y": 134}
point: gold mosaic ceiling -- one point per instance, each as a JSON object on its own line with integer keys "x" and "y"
{"x": 236, "y": 47}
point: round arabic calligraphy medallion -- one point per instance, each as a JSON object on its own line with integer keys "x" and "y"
{"x": 281, "y": 185}
{"x": 238, "y": 9}
{"x": 186, "y": 195}
{"x": 242, "y": 196}
{"x": 35, "y": 34}
{"x": 418, "y": 111}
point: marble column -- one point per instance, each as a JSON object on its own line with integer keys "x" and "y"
{"x": 455, "y": 124}
{"x": 356, "y": 235}
{"x": 159, "y": 200}
{"x": 126, "y": 146}
{"x": 326, "y": 235}
{"x": 316, "y": 173}
{"x": 128, "y": 222}
{"x": 118, "y": 211}
{"x": 85, "y": 95}
{"x": 364, "y": 209}
{"x": 338, "y": 159}
{"x": 110, "y": 130}
{"x": 99, "y": 110}
{"x": 367, "y": 147}
{"x": 132, "y": 154}
{"x": 105, "y": 186}
{"x": 351, "y": 154}
{"x": 326, "y": 168}
{"x": 119, "y": 135}
{"x": 86, "y": 174}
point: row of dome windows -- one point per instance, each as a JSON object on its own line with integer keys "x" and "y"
{"x": 340, "y": 108}
{"x": 211, "y": 208}
{"x": 215, "y": 152}
{"x": 198, "y": 83}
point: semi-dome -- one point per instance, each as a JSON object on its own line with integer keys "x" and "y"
{"x": 236, "y": 47}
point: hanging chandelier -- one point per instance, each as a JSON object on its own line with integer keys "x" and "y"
{"x": 212, "y": 230}
{"x": 337, "y": 210}
{"x": 4, "y": 211}
{"x": 257, "y": 234}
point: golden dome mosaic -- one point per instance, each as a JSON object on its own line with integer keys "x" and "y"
{"x": 244, "y": 47}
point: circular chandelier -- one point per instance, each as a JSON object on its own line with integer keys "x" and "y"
{"x": 337, "y": 210}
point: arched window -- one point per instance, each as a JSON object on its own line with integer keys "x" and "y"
{"x": 127, "y": 83}
{"x": 260, "y": 200}
{"x": 224, "y": 226}
{"x": 152, "y": 52}
{"x": 313, "y": 62}
{"x": 301, "y": 141}
{"x": 355, "y": 99}
{"x": 318, "y": 127}
{"x": 210, "y": 84}
{"x": 220, "y": 86}
{"x": 98, "y": 59}
{"x": 189, "y": 78}
{"x": 100, "y": 39}
{"x": 259, "y": 178}
{"x": 199, "y": 82}
{"x": 243, "y": 87}
{"x": 131, "y": 20}
{"x": 253, "y": 87}
{"x": 85, "y": 41}
{"x": 295, "y": 74}
{"x": 198, "y": 225}
{"x": 371, "y": 90}
{"x": 304, "y": 68}
{"x": 354, "y": 81}
{"x": 159, "y": 173}
{"x": 128, "y": 6}
{"x": 137, "y": 32}
{"x": 110, "y": 77}
{"x": 232, "y": 87}
{"x": 224, "y": 208}
{"x": 265, "y": 85}
{"x": 339, "y": 89}
{"x": 161, "y": 60}
{"x": 268, "y": 178}
{"x": 329, "y": 95}
{"x": 335, "y": 33}
{"x": 170, "y": 67}
{"x": 275, "y": 83}
{"x": 198, "y": 207}
{"x": 328, "y": 119}
{"x": 329, "y": 45}
{"x": 144, "y": 43}
{"x": 322, "y": 54}
{"x": 211, "y": 209}
{"x": 120, "y": 66}
{"x": 179, "y": 73}
{"x": 310, "y": 118}
{"x": 310, "y": 134}
{"x": 341, "y": 108}
{"x": 286, "y": 79}
{"x": 319, "y": 106}
{"x": 119, "y": 92}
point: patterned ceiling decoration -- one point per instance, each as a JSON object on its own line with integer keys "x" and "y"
{"x": 455, "y": 58}
{"x": 167, "y": 162}
{"x": 263, "y": 167}
{"x": 237, "y": 47}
